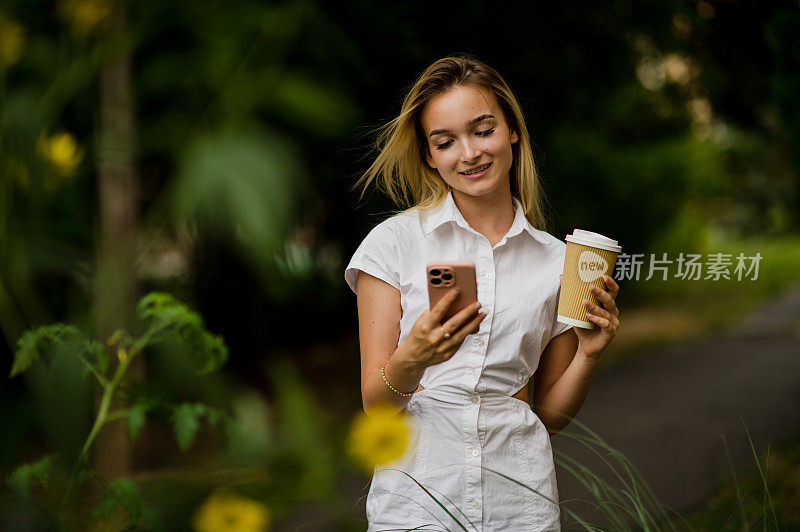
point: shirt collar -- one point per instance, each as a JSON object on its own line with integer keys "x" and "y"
{"x": 448, "y": 212}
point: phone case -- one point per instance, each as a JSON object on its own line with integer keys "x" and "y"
{"x": 446, "y": 275}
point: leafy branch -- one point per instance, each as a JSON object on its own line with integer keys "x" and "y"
{"x": 162, "y": 317}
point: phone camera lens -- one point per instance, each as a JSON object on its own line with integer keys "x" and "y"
{"x": 436, "y": 281}
{"x": 435, "y": 273}
{"x": 447, "y": 276}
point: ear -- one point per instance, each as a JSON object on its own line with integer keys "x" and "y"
{"x": 514, "y": 137}
{"x": 430, "y": 159}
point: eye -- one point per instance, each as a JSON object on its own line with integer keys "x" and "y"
{"x": 443, "y": 145}
{"x": 485, "y": 133}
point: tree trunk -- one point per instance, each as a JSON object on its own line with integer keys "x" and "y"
{"x": 116, "y": 290}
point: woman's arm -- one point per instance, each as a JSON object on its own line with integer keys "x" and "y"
{"x": 561, "y": 381}
{"x": 379, "y": 329}
{"x": 569, "y": 361}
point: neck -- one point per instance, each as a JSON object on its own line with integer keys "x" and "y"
{"x": 491, "y": 215}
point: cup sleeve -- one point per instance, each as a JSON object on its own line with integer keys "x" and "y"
{"x": 378, "y": 255}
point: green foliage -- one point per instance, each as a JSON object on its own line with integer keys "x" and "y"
{"x": 122, "y": 505}
{"x": 646, "y": 181}
{"x": 300, "y": 97}
{"x": 136, "y": 419}
{"x": 24, "y": 475}
{"x": 30, "y": 345}
{"x": 40, "y": 343}
{"x": 301, "y": 428}
{"x": 241, "y": 187}
{"x": 164, "y": 315}
{"x": 625, "y": 501}
{"x": 250, "y": 431}
{"x": 186, "y": 421}
{"x": 761, "y": 499}
{"x": 60, "y": 345}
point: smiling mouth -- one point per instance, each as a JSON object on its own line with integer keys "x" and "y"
{"x": 477, "y": 170}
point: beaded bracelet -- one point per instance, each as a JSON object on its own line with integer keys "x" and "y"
{"x": 383, "y": 373}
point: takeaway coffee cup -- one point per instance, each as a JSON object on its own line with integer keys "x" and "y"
{"x": 588, "y": 257}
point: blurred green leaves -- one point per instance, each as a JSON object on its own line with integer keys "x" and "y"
{"x": 136, "y": 419}
{"x": 165, "y": 316}
{"x": 123, "y": 507}
{"x": 300, "y": 98}
{"x": 251, "y": 430}
{"x": 33, "y": 343}
{"x": 186, "y": 421}
{"x": 25, "y": 474}
{"x": 301, "y": 429}
{"x": 240, "y": 186}
{"x": 637, "y": 188}
{"x": 65, "y": 351}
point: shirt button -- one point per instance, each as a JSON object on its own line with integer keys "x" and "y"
{"x": 479, "y": 342}
{"x": 475, "y": 373}
{"x": 474, "y": 399}
{"x": 476, "y": 503}
{"x": 488, "y": 275}
{"x": 476, "y": 452}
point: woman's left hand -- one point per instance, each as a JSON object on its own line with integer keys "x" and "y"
{"x": 605, "y": 317}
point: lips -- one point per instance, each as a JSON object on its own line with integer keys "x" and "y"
{"x": 476, "y": 170}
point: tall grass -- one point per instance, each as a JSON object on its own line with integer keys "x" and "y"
{"x": 631, "y": 504}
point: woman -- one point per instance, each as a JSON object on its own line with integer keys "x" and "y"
{"x": 460, "y": 151}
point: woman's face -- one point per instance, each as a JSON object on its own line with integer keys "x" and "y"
{"x": 465, "y": 129}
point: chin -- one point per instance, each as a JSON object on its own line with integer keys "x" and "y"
{"x": 477, "y": 189}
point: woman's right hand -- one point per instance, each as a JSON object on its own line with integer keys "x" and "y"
{"x": 428, "y": 343}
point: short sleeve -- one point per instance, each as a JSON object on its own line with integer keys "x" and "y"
{"x": 378, "y": 255}
{"x": 557, "y": 327}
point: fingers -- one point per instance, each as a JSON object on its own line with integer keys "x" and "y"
{"x": 612, "y": 285}
{"x": 459, "y": 319}
{"x": 473, "y": 326}
{"x": 441, "y": 306}
{"x": 605, "y": 299}
{"x": 607, "y": 317}
{"x": 457, "y": 338}
{"x": 602, "y": 322}
{"x": 597, "y": 310}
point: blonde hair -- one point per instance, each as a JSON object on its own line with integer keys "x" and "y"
{"x": 400, "y": 169}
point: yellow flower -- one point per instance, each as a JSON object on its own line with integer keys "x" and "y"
{"x": 380, "y": 437}
{"x": 122, "y": 355}
{"x": 228, "y": 512}
{"x": 62, "y": 151}
{"x": 86, "y": 15}
{"x": 12, "y": 42}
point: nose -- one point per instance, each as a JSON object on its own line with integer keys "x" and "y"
{"x": 469, "y": 151}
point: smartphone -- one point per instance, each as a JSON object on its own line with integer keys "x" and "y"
{"x": 446, "y": 275}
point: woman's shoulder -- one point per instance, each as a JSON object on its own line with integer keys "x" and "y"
{"x": 554, "y": 244}
{"x": 399, "y": 226}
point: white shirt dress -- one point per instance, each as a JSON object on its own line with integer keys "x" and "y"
{"x": 466, "y": 426}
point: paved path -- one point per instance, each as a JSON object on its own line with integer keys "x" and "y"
{"x": 666, "y": 411}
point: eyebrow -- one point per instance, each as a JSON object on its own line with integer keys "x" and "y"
{"x": 469, "y": 123}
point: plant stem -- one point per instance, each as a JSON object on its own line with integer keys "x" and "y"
{"x": 100, "y": 420}
{"x": 109, "y": 387}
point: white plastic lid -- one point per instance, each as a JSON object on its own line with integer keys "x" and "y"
{"x": 588, "y": 238}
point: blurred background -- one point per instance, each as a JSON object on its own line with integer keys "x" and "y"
{"x": 208, "y": 149}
